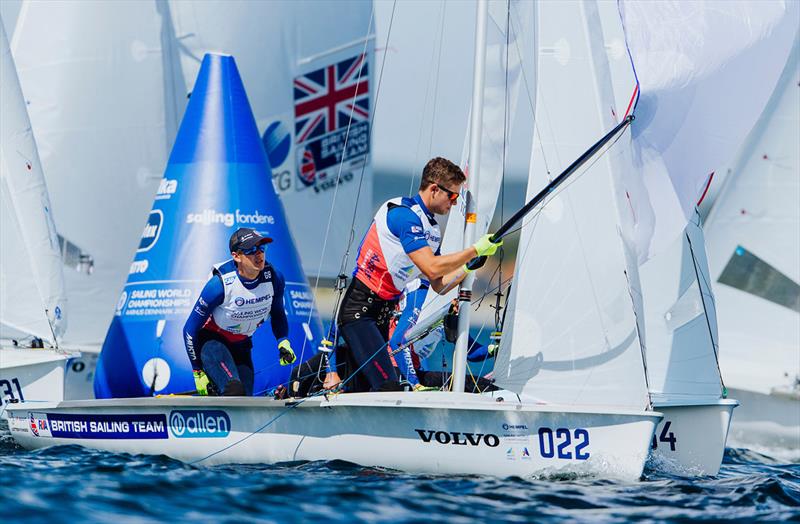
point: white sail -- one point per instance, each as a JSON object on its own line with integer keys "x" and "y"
{"x": 510, "y": 67}
{"x": 705, "y": 72}
{"x": 295, "y": 60}
{"x": 680, "y": 321}
{"x": 753, "y": 235}
{"x": 104, "y": 104}
{"x": 672, "y": 293}
{"x": 571, "y": 335}
{"x": 32, "y": 298}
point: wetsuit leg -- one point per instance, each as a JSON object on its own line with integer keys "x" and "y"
{"x": 243, "y": 358}
{"x": 367, "y": 345}
{"x": 219, "y": 365}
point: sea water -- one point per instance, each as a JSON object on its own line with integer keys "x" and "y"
{"x": 70, "y": 483}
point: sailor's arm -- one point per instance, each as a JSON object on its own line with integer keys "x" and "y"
{"x": 210, "y": 297}
{"x": 280, "y": 325}
{"x": 443, "y": 271}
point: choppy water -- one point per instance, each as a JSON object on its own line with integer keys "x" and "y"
{"x": 68, "y": 483}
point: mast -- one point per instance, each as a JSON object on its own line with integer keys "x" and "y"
{"x": 476, "y": 118}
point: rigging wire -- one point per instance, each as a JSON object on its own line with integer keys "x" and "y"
{"x": 427, "y": 98}
{"x": 342, "y": 268}
{"x": 714, "y": 346}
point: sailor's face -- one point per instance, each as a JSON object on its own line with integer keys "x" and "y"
{"x": 251, "y": 260}
{"x": 444, "y": 198}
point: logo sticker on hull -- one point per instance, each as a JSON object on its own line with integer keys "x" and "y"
{"x": 458, "y": 438}
{"x": 190, "y": 423}
{"x": 79, "y": 426}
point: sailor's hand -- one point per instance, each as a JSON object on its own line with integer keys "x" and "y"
{"x": 420, "y": 387}
{"x": 286, "y": 353}
{"x": 475, "y": 263}
{"x": 492, "y": 349}
{"x": 485, "y": 247}
{"x": 200, "y": 382}
{"x": 332, "y": 380}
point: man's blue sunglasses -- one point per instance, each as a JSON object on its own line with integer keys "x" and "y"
{"x": 253, "y": 250}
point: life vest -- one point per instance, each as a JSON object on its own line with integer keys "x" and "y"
{"x": 242, "y": 310}
{"x": 382, "y": 264}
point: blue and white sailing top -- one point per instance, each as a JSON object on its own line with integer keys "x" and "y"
{"x": 232, "y": 308}
{"x": 401, "y": 226}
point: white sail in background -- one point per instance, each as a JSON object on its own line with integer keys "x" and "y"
{"x": 296, "y": 60}
{"x": 680, "y": 321}
{"x": 753, "y": 236}
{"x": 104, "y": 101}
{"x": 510, "y": 56}
{"x": 671, "y": 291}
{"x": 32, "y": 298}
{"x": 705, "y": 72}
{"x": 571, "y": 335}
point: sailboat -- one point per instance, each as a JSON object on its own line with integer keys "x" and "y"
{"x": 33, "y": 309}
{"x": 441, "y": 432}
{"x": 752, "y": 232}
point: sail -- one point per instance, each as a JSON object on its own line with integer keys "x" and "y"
{"x": 571, "y": 335}
{"x": 32, "y": 298}
{"x": 753, "y": 236}
{"x": 705, "y": 71}
{"x": 215, "y": 182}
{"x": 510, "y": 56}
{"x": 310, "y": 71}
{"x": 680, "y": 321}
{"x": 104, "y": 105}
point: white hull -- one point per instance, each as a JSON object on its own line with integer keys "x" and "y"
{"x": 415, "y": 432}
{"x": 690, "y": 439}
{"x": 768, "y": 423}
{"x": 31, "y": 375}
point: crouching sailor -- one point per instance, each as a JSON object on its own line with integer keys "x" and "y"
{"x": 240, "y": 295}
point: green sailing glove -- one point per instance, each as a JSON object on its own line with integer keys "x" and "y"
{"x": 286, "y": 353}
{"x": 485, "y": 247}
{"x": 200, "y": 382}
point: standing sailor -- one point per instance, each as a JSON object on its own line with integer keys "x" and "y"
{"x": 240, "y": 295}
{"x": 401, "y": 244}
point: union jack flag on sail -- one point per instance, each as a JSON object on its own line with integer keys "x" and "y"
{"x": 326, "y": 99}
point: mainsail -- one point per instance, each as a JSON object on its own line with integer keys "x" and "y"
{"x": 103, "y": 99}
{"x": 753, "y": 236}
{"x": 571, "y": 334}
{"x": 32, "y": 298}
{"x": 310, "y": 72}
{"x": 215, "y": 182}
{"x": 510, "y": 60}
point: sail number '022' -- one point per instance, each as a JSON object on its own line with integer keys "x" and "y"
{"x": 564, "y": 443}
